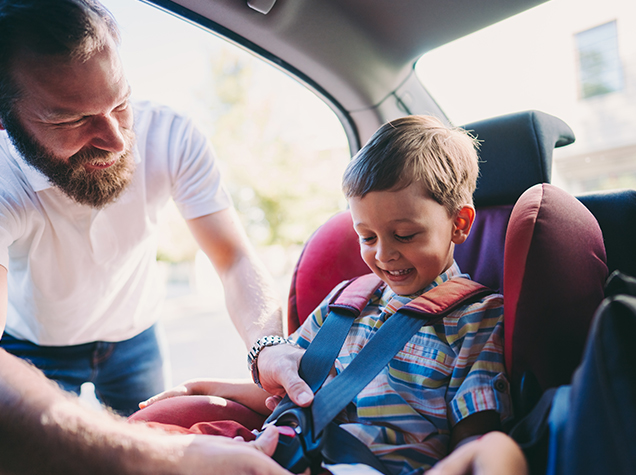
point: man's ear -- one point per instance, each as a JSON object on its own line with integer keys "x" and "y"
{"x": 462, "y": 223}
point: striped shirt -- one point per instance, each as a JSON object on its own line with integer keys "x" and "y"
{"x": 446, "y": 372}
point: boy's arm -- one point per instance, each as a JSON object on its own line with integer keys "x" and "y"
{"x": 493, "y": 454}
{"x": 243, "y": 391}
{"x": 472, "y": 427}
{"x": 484, "y": 388}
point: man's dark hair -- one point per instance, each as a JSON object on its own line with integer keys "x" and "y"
{"x": 70, "y": 29}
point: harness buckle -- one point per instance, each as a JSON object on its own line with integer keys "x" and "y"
{"x": 303, "y": 449}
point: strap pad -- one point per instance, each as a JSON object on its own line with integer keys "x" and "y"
{"x": 446, "y": 297}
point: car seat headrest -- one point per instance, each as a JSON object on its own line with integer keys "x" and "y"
{"x": 554, "y": 273}
{"x": 516, "y": 153}
{"x": 615, "y": 212}
{"x": 331, "y": 255}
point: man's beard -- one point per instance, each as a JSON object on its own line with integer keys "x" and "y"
{"x": 95, "y": 188}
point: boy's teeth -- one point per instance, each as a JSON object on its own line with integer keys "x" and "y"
{"x": 398, "y": 272}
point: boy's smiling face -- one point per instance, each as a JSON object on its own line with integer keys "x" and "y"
{"x": 407, "y": 238}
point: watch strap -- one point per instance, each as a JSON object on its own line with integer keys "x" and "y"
{"x": 252, "y": 356}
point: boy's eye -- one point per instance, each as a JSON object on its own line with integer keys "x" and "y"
{"x": 366, "y": 239}
{"x": 405, "y": 238}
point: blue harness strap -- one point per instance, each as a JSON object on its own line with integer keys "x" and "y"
{"x": 318, "y": 438}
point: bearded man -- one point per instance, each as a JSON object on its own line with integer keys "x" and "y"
{"x": 84, "y": 172}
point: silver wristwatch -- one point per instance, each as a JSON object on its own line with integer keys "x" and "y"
{"x": 252, "y": 356}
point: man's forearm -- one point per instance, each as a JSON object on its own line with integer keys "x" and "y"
{"x": 250, "y": 293}
{"x": 44, "y": 430}
{"x": 251, "y": 300}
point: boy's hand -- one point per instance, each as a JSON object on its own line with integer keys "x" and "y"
{"x": 181, "y": 390}
{"x": 492, "y": 454}
{"x": 278, "y": 373}
{"x": 207, "y": 387}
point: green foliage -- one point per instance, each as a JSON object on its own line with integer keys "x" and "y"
{"x": 283, "y": 185}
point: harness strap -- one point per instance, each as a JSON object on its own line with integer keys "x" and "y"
{"x": 342, "y": 447}
{"x": 374, "y": 356}
{"x": 344, "y": 307}
{"x": 427, "y": 309}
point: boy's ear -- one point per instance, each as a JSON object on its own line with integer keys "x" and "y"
{"x": 462, "y": 224}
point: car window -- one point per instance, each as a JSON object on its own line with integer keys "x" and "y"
{"x": 575, "y": 59}
{"x": 282, "y": 151}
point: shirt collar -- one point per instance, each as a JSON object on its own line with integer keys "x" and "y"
{"x": 36, "y": 179}
{"x": 451, "y": 273}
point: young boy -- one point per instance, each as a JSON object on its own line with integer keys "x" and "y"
{"x": 410, "y": 194}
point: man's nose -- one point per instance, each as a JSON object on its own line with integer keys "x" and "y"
{"x": 107, "y": 135}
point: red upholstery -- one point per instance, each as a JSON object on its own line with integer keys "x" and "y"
{"x": 191, "y": 414}
{"x": 554, "y": 272}
{"x": 331, "y": 255}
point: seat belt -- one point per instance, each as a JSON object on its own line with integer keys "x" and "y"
{"x": 317, "y": 436}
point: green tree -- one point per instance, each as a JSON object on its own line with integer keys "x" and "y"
{"x": 284, "y": 187}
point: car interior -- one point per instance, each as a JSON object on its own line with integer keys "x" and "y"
{"x": 547, "y": 251}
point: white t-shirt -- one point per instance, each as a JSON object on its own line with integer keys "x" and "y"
{"x": 77, "y": 274}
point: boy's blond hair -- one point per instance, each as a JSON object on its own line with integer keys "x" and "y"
{"x": 417, "y": 149}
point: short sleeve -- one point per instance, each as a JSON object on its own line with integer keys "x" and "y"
{"x": 478, "y": 382}
{"x": 197, "y": 186}
{"x": 9, "y": 225}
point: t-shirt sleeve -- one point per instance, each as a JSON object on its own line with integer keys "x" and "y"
{"x": 9, "y": 224}
{"x": 197, "y": 186}
{"x": 478, "y": 382}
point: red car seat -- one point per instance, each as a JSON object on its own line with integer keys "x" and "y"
{"x": 554, "y": 273}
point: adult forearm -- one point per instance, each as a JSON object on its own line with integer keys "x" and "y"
{"x": 43, "y": 430}
{"x": 251, "y": 300}
{"x": 250, "y": 293}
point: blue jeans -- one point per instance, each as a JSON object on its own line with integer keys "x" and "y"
{"x": 124, "y": 373}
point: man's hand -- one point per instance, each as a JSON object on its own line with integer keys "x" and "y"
{"x": 278, "y": 373}
{"x": 221, "y": 455}
{"x": 492, "y": 454}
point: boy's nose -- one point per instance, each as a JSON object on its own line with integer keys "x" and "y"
{"x": 385, "y": 252}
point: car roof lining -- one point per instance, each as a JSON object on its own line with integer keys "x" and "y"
{"x": 361, "y": 49}
{"x": 355, "y": 54}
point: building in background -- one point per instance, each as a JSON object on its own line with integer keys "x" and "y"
{"x": 603, "y": 110}
{"x": 574, "y": 59}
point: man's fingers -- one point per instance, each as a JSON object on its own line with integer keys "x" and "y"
{"x": 299, "y": 392}
{"x": 267, "y": 441}
{"x": 278, "y": 369}
{"x": 272, "y": 401}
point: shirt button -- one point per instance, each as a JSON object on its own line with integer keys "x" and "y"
{"x": 501, "y": 385}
